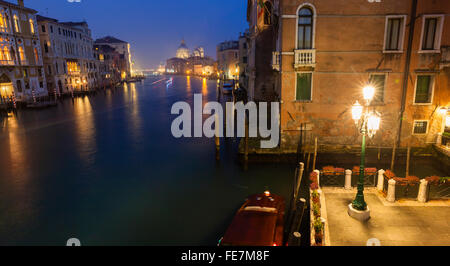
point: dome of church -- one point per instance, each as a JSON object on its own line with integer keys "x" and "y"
{"x": 183, "y": 51}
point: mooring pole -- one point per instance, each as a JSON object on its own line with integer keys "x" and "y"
{"x": 216, "y": 116}
{"x": 408, "y": 157}
{"x": 393, "y": 156}
{"x": 315, "y": 154}
{"x": 297, "y": 220}
{"x": 246, "y": 141}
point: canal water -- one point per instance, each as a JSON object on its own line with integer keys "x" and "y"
{"x": 105, "y": 169}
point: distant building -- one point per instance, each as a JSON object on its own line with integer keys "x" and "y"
{"x": 110, "y": 65}
{"x": 228, "y": 59}
{"x": 185, "y": 63}
{"x": 243, "y": 60}
{"x": 69, "y": 61}
{"x": 182, "y": 51}
{"x": 21, "y": 64}
{"x": 123, "y": 48}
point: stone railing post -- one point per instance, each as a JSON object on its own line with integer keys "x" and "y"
{"x": 318, "y": 176}
{"x": 423, "y": 188}
{"x": 391, "y": 191}
{"x": 380, "y": 185}
{"x": 348, "y": 179}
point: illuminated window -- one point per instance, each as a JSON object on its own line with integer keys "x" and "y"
{"x": 36, "y": 55}
{"x": 3, "y": 24}
{"x": 22, "y": 55}
{"x": 424, "y": 89}
{"x": 6, "y": 54}
{"x": 268, "y": 13}
{"x": 32, "y": 26}
{"x": 420, "y": 127}
{"x": 16, "y": 23}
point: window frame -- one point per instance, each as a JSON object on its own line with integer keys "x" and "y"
{"x": 438, "y": 34}
{"x": 433, "y": 81}
{"x": 265, "y": 12}
{"x": 312, "y": 86}
{"x": 314, "y": 23}
{"x": 401, "y": 37}
{"x": 414, "y": 127}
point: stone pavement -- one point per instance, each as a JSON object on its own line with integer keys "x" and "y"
{"x": 400, "y": 224}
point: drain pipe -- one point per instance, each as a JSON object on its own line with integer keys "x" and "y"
{"x": 407, "y": 68}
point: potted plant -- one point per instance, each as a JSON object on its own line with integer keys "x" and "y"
{"x": 318, "y": 232}
{"x": 316, "y": 210}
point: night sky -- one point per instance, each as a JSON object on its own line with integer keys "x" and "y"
{"x": 154, "y": 27}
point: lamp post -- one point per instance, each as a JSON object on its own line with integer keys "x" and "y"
{"x": 368, "y": 123}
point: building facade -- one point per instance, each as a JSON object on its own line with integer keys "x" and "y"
{"x": 243, "y": 60}
{"x": 110, "y": 65}
{"x": 21, "y": 66}
{"x": 228, "y": 59}
{"x": 263, "y": 24}
{"x": 69, "y": 62}
{"x": 124, "y": 49}
{"x": 328, "y": 50}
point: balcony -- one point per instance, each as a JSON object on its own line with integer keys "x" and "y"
{"x": 276, "y": 61}
{"x": 305, "y": 58}
{"x": 445, "y": 57}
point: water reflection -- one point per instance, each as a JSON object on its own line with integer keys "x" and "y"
{"x": 188, "y": 84}
{"x": 204, "y": 88}
{"x": 135, "y": 121}
{"x": 85, "y": 130}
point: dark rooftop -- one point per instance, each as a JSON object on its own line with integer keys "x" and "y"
{"x": 109, "y": 39}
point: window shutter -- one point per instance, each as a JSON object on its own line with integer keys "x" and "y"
{"x": 304, "y": 86}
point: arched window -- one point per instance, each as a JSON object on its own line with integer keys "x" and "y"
{"x": 6, "y": 54}
{"x": 36, "y": 55}
{"x": 16, "y": 23}
{"x": 3, "y": 25}
{"x": 305, "y": 28}
{"x": 22, "y": 54}
{"x": 268, "y": 13}
{"x": 32, "y": 26}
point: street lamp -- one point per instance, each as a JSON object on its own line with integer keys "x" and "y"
{"x": 368, "y": 123}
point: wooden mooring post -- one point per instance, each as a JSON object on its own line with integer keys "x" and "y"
{"x": 393, "y": 156}
{"x": 315, "y": 153}
{"x": 408, "y": 157}
{"x": 293, "y": 238}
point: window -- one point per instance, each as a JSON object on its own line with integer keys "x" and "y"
{"x": 49, "y": 69}
{"x": 46, "y": 47}
{"x": 31, "y": 26}
{"x": 6, "y": 54}
{"x": 394, "y": 33}
{"x": 431, "y": 32}
{"x": 305, "y": 28}
{"x": 424, "y": 89}
{"x": 40, "y": 72}
{"x": 43, "y": 28}
{"x": 378, "y": 82}
{"x": 304, "y": 85}
{"x": 51, "y": 28}
{"x": 267, "y": 13}
{"x": 25, "y": 74}
{"x": 22, "y": 57}
{"x": 59, "y": 31}
{"x": 420, "y": 127}
{"x": 19, "y": 86}
{"x": 3, "y": 23}
{"x": 16, "y": 23}
{"x": 36, "y": 55}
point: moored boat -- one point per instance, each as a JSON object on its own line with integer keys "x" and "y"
{"x": 259, "y": 222}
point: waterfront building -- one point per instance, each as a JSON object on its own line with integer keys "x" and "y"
{"x": 228, "y": 59}
{"x": 190, "y": 63}
{"x": 110, "y": 64}
{"x": 21, "y": 65}
{"x": 124, "y": 49}
{"x": 327, "y": 50}
{"x": 243, "y": 60}
{"x": 69, "y": 62}
{"x": 263, "y": 26}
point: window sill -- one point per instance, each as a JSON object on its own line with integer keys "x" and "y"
{"x": 429, "y": 51}
{"x": 422, "y": 103}
{"x": 392, "y": 51}
{"x": 302, "y": 101}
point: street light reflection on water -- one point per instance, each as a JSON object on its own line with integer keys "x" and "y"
{"x": 106, "y": 170}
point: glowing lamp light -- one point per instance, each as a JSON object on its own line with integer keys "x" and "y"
{"x": 443, "y": 110}
{"x": 267, "y": 193}
{"x": 373, "y": 124}
{"x": 369, "y": 92}
{"x": 357, "y": 111}
{"x": 447, "y": 121}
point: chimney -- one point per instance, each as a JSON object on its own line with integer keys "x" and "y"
{"x": 20, "y": 3}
